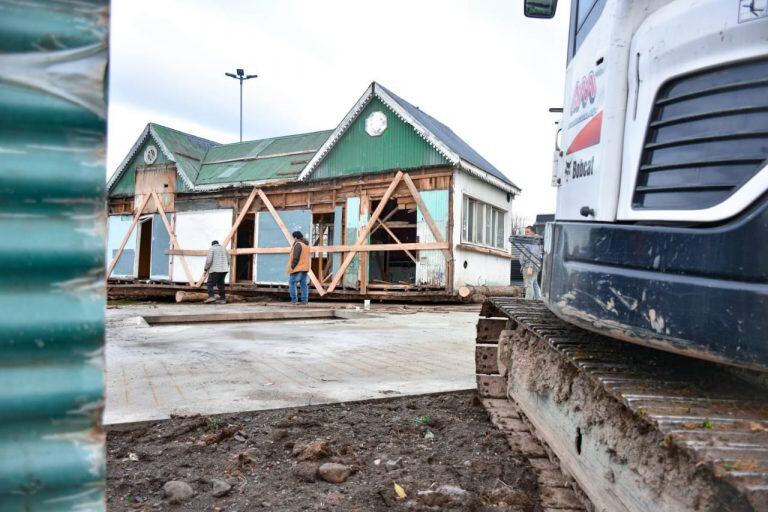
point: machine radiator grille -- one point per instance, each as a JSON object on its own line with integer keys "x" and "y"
{"x": 708, "y": 135}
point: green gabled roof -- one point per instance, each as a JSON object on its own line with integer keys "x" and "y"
{"x": 276, "y": 158}
{"x": 186, "y": 150}
{"x": 206, "y": 165}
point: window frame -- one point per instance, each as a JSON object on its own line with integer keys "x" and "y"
{"x": 475, "y": 225}
{"x": 577, "y": 34}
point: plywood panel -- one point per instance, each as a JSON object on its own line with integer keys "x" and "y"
{"x": 196, "y": 230}
{"x": 162, "y": 180}
{"x": 430, "y": 271}
{"x": 117, "y": 226}
{"x": 270, "y": 268}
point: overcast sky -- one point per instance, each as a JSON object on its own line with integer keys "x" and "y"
{"x": 478, "y": 66}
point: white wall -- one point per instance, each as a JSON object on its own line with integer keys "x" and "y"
{"x": 196, "y": 230}
{"x": 482, "y": 269}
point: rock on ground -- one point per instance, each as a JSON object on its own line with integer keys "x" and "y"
{"x": 177, "y": 491}
{"x": 220, "y": 487}
{"x": 334, "y": 473}
{"x": 306, "y": 471}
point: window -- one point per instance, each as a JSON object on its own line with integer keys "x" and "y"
{"x": 584, "y": 15}
{"x": 482, "y": 223}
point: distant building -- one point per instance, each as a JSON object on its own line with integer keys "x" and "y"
{"x": 328, "y": 185}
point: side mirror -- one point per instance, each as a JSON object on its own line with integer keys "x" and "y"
{"x": 540, "y": 8}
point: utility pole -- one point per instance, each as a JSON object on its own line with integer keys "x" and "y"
{"x": 241, "y": 76}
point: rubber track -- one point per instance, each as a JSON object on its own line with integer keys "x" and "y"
{"x": 700, "y": 407}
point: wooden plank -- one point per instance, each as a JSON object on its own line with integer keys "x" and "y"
{"x": 174, "y": 241}
{"x": 289, "y": 238}
{"x": 489, "y": 329}
{"x": 127, "y": 235}
{"x": 491, "y": 386}
{"x": 486, "y": 358}
{"x": 427, "y": 216}
{"x": 240, "y": 217}
{"x": 361, "y": 236}
{"x": 394, "y": 237}
{"x": 252, "y": 316}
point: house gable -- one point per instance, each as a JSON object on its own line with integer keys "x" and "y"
{"x": 357, "y": 152}
{"x": 126, "y": 184}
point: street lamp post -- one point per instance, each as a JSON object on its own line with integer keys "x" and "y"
{"x": 241, "y": 76}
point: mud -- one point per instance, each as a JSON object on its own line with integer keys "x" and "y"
{"x": 637, "y": 452}
{"x": 441, "y": 450}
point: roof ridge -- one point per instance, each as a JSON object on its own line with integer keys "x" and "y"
{"x": 184, "y": 133}
{"x": 275, "y": 137}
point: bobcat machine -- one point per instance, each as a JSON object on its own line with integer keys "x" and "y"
{"x": 643, "y": 373}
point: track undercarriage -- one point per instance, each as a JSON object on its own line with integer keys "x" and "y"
{"x": 635, "y": 428}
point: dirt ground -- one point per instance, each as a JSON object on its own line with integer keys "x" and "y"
{"x": 441, "y": 450}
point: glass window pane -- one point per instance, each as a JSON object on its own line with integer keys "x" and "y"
{"x": 471, "y": 220}
{"x": 500, "y": 230}
{"x": 464, "y": 218}
{"x": 585, "y": 6}
{"x": 480, "y": 216}
{"x": 488, "y": 225}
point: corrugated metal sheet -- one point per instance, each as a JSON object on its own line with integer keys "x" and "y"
{"x": 353, "y": 224}
{"x": 399, "y": 147}
{"x": 267, "y": 159}
{"x": 270, "y": 268}
{"x": 52, "y": 139}
{"x": 430, "y": 270}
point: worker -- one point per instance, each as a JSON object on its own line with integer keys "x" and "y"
{"x": 298, "y": 268}
{"x": 217, "y": 267}
{"x": 530, "y": 270}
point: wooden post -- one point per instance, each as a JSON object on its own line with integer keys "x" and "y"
{"x": 365, "y": 208}
{"x": 364, "y": 232}
{"x": 127, "y": 235}
{"x": 318, "y": 286}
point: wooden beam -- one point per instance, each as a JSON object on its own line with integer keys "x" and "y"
{"x": 364, "y": 233}
{"x": 239, "y": 219}
{"x": 128, "y": 235}
{"x": 174, "y": 241}
{"x": 394, "y": 237}
{"x": 485, "y": 250}
{"x": 427, "y": 217}
{"x": 288, "y": 237}
{"x": 385, "y": 219}
{"x": 365, "y": 209}
{"x": 411, "y": 246}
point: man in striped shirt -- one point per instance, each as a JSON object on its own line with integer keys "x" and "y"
{"x": 217, "y": 266}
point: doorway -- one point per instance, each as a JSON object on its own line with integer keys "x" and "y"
{"x": 245, "y": 237}
{"x": 393, "y": 268}
{"x": 145, "y": 248}
{"x": 322, "y": 235}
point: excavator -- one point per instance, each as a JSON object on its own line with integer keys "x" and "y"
{"x": 644, "y": 369}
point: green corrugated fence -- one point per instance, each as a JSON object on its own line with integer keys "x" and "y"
{"x": 53, "y": 57}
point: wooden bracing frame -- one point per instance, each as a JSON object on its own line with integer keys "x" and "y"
{"x": 359, "y": 246}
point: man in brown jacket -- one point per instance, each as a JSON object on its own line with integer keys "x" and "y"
{"x": 298, "y": 267}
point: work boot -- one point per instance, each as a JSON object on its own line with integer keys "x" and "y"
{"x": 221, "y": 301}
{"x": 305, "y": 303}
{"x": 209, "y": 300}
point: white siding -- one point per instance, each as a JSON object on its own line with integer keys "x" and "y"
{"x": 482, "y": 269}
{"x": 196, "y": 230}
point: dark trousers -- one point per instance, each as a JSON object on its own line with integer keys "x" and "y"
{"x": 216, "y": 279}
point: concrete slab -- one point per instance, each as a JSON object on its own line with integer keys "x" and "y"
{"x": 153, "y": 372}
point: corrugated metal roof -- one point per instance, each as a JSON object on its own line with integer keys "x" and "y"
{"x": 52, "y": 289}
{"x": 449, "y": 138}
{"x": 276, "y": 158}
{"x": 436, "y": 134}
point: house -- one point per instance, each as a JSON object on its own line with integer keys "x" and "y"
{"x": 392, "y": 201}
